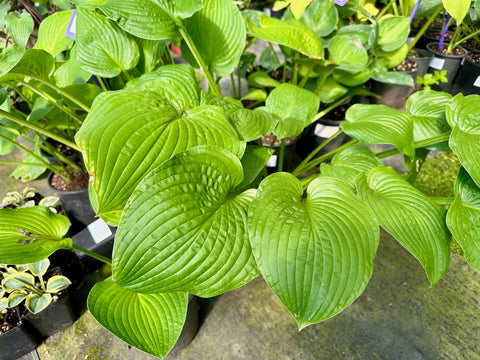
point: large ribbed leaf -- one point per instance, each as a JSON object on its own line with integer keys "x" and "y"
{"x": 180, "y": 8}
{"x": 174, "y": 82}
{"x": 218, "y": 32}
{"x": 51, "y": 34}
{"x": 463, "y": 218}
{"x": 34, "y": 63}
{"x": 128, "y": 133}
{"x": 315, "y": 253}
{"x": 375, "y": 124}
{"x": 148, "y": 21}
{"x": 321, "y": 16}
{"x": 292, "y": 34}
{"x": 294, "y": 108}
{"x": 150, "y": 322}
{"x": 392, "y": 32}
{"x": 103, "y": 48}
{"x": 416, "y": 222}
{"x": 31, "y": 234}
{"x": 343, "y": 50}
{"x": 350, "y": 163}
{"x": 19, "y": 27}
{"x": 462, "y": 115}
{"x": 184, "y": 229}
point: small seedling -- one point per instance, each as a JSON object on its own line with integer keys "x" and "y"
{"x": 432, "y": 79}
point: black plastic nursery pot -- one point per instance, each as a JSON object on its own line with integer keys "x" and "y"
{"x": 467, "y": 80}
{"x": 77, "y": 206}
{"x": 394, "y": 96}
{"x": 422, "y": 61}
{"x": 440, "y": 61}
{"x": 291, "y": 158}
{"x": 190, "y": 327}
{"x": 17, "y": 341}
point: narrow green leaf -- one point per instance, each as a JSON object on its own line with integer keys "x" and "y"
{"x": 415, "y": 221}
{"x": 103, "y": 48}
{"x": 219, "y": 34}
{"x": 463, "y": 218}
{"x": 261, "y": 79}
{"x": 19, "y": 27}
{"x": 393, "y": 77}
{"x": 374, "y": 124}
{"x": 462, "y": 115}
{"x": 51, "y": 34}
{"x": 184, "y": 228}
{"x": 150, "y": 322}
{"x": 292, "y": 34}
{"x": 31, "y": 234}
{"x": 148, "y": 21}
{"x": 319, "y": 255}
{"x": 35, "y": 303}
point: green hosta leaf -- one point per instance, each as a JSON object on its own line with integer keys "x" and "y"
{"x": 70, "y": 72}
{"x": 28, "y": 235}
{"x": 85, "y": 93}
{"x": 294, "y": 107}
{"x": 19, "y": 27}
{"x": 393, "y": 77}
{"x": 184, "y": 229}
{"x": 4, "y": 8}
{"x": 125, "y": 145}
{"x": 350, "y": 163}
{"x": 319, "y": 255}
{"x": 462, "y": 115}
{"x": 255, "y": 94}
{"x": 39, "y": 267}
{"x": 358, "y": 32}
{"x": 35, "y": 303}
{"x": 51, "y": 34}
{"x": 321, "y": 16}
{"x": 254, "y": 161}
{"x": 416, "y": 222}
{"x": 150, "y": 53}
{"x": 3, "y": 303}
{"x": 329, "y": 90}
{"x": 17, "y": 281}
{"x": 9, "y": 57}
{"x": 457, "y": 9}
{"x": 148, "y": 21}
{"x": 35, "y": 63}
{"x": 343, "y": 50}
{"x": 174, "y": 82}
{"x": 62, "y": 4}
{"x": 463, "y": 218}
{"x": 292, "y": 34}
{"x": 57, "y": 283}
{"x": 375, "y": 124}
{"x": 89, "y": 3}
{"x": 103, "y": 48}
{"x": 393, "y": 32}
{"x": 29, "y": 172}
{"x": 353, "y": 77}
{"x": 219, "y": 34}
{"x": 16, "y": 297}
{"x": 150, "y": 322}
{"x": 262, "y": 79}
{"x": 180, "y": 8}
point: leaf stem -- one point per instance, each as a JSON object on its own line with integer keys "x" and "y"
{"x": 92, "y": 254}
{"x": 234, "y": 89}
{"x": 442, "y": 200}
{"x": 281, "y": 155}
{"x": 425, "y": 27}
{"x": 419, "y": 144}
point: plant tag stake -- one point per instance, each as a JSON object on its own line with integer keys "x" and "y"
{"x": 99, "y": 230}
{"x": 272, "y": 162}
{"x": 72, "y": 26}
{"x": 477, "y": 82}
{"x": 325, "y": 131}
{"x": 437, "y": 63}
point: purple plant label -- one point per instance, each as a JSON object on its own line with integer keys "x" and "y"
{"x": 72, "y": 26}
{"x": 341, "y": 2}
{"x": 477, "y": 82}
{"x": 437, "y": 63}
{"x": 99, "y": 230}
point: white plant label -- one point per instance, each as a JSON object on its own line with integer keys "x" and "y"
{"x": 99, "y": 230}
{"x": 272, "y": 162}
{"x": 437, "y": 63}
{"x": 477, "y": 82}
{"x": 325, "y": 131}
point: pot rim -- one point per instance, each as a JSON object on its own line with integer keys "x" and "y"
{"x": 437, "y": 54}
{"x": 72, "y": 192}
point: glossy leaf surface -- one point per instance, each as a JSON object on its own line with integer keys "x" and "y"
{"x": 51, "y": 34}
{"x": 184, "y": 229}
{"x": 457, "y": 9}
{"x": 31, "y": 234}
{"x": 128, "y": 133}
{"x": 19, "y": 27}
{"x": 392, "y": 32}
{"x": 416, "y": 222}
{"x": 319, "y": 255}
{"x": 321, "y": 16}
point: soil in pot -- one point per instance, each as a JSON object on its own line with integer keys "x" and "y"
{"x": 15, "y": 339}
{"x": 472, "y": 46}
{"x": 467, "y": 81}
{"x": 444, "y": 60}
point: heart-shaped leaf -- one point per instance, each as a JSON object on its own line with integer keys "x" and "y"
{"x": 36, "y": 303}
{"x": 148, "y": 21}
{"x": 292, "y": 34}
{"x": 462, "y": 115}
{"x": 184, "y": 227}
{"x": 150, "y": 322}
{"x": 463, "y": 218}
{"x": 103, "y": 48}
{"x": 18, "y": 280}
{"x": 31, "y": 234}
{"x": 219, "y": 34}
{"x": 125, "y": 145}
{"x": 51, "y": 34}
{"x": 39, "y": 268}
{"x": 9, "y": 57}
{"x": 57, "y": 283}
{"x": 294, "y": 108}
{"x": 19, "y": 27}
{"x": 392, "y": 32}
{"x": 415, "y": 221}
{"x": 374, "y": 124}
{"x": 16, "y": 297}
{"x": 321, "y": 16}
{"x": 319, "y": 254}
{"x": 458, "y": 9}
{"x": 343, "y": 50}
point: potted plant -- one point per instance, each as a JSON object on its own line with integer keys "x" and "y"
{"x": 15, "y": 339}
